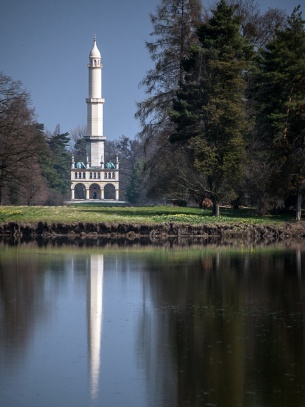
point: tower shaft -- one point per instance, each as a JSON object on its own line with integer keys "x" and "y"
{"x": 95, "y": 134}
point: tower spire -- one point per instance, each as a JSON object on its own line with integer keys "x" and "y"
{"x": 95, "y": 137}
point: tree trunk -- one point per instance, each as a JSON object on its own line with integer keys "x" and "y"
{"x": 215, "y": 210}
{"x": 299, "y": 205}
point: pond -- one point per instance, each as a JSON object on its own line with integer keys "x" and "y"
{"x": 203, "y": 325}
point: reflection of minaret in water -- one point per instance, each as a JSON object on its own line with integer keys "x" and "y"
{"x": 95, "y": 310}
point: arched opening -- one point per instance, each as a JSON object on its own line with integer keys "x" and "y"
{"x": 80, "y": 191}
{"x": 109, "y": 191}
{"x": 95, "y": 192}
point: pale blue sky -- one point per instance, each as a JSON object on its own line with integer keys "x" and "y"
{"x": 46, "y": 44}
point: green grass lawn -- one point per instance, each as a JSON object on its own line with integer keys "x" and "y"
{"x": 149, "y": 214}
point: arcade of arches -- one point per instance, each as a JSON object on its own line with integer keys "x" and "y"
{"x": 95, "y": 192}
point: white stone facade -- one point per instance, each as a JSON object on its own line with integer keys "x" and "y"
{"x": 95, "y": 179}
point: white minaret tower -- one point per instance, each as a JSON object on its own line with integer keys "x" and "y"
{"x": 95, "y": 179}
{"x": 95, "y": 137}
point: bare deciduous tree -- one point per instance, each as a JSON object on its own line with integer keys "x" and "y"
{"x": 20, "y": 137}
{"x": 258, "y": 27}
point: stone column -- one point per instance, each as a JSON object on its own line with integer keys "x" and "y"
{"x": 87, "y": 193}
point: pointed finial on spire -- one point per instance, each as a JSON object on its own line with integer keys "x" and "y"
{"x": 95, "y": 53}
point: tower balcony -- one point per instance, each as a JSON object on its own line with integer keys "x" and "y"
{"x": 95, "y": 173}
{"x": 95, "y": 100}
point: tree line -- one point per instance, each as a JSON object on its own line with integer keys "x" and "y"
{"x": 35, "y": 164}
{"x": 222, "y": 123}
{"x": 224, "y": 115}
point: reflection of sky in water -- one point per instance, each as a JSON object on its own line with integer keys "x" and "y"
{"x": 122, "y": 379}
{"x": 55, "y": 358}
{"x": 52, "y": 369}
{"x": 152, "y": 330}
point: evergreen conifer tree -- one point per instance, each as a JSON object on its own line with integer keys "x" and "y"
{"x": 281, "y": 107}
{"x": 57, "y": 163}
{"x": 175, "y": 26}
{"x": 209, "y": 110}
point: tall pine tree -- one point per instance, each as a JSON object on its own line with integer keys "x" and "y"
{"x": 57, "y": 163}
{"x": 175, "y": 26}
{"x": 281, "y": 106}
{"x": 210, "y": 111}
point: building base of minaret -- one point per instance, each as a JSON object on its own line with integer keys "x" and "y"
{"x": 96, "y": 202}
{"x": 93, "y": 182}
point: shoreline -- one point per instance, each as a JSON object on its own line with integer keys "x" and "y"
{"x": 153, "y": 230}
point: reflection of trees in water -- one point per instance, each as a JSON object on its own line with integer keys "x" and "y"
{"x": 23, "y": 299}
{"x": 17, "y": 298}
{"x": 155, "y": 344}
{"x": 232, "y": 326}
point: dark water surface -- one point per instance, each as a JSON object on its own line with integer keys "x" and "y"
{"x": 201, "y": 326}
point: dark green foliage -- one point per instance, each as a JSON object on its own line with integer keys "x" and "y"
{"x": 175, "y": 23}
{"x": 135, "y": 184}
{"x": 281, "y": 105}
{"x": 56, "y": 165}
{"x": 130, "y": 154}
{"x": 80, "y": 150}
{"x": 209, "y": 110}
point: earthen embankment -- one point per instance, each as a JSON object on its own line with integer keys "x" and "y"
{"x": 153, "y": 230}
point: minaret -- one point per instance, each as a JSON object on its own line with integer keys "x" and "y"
{"x": 95, "y": 137}
{"x": 94, "y": 179}
{"x": 95, "y": 314}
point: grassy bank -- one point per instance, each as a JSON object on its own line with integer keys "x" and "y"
{"x": 115, "y": 215}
